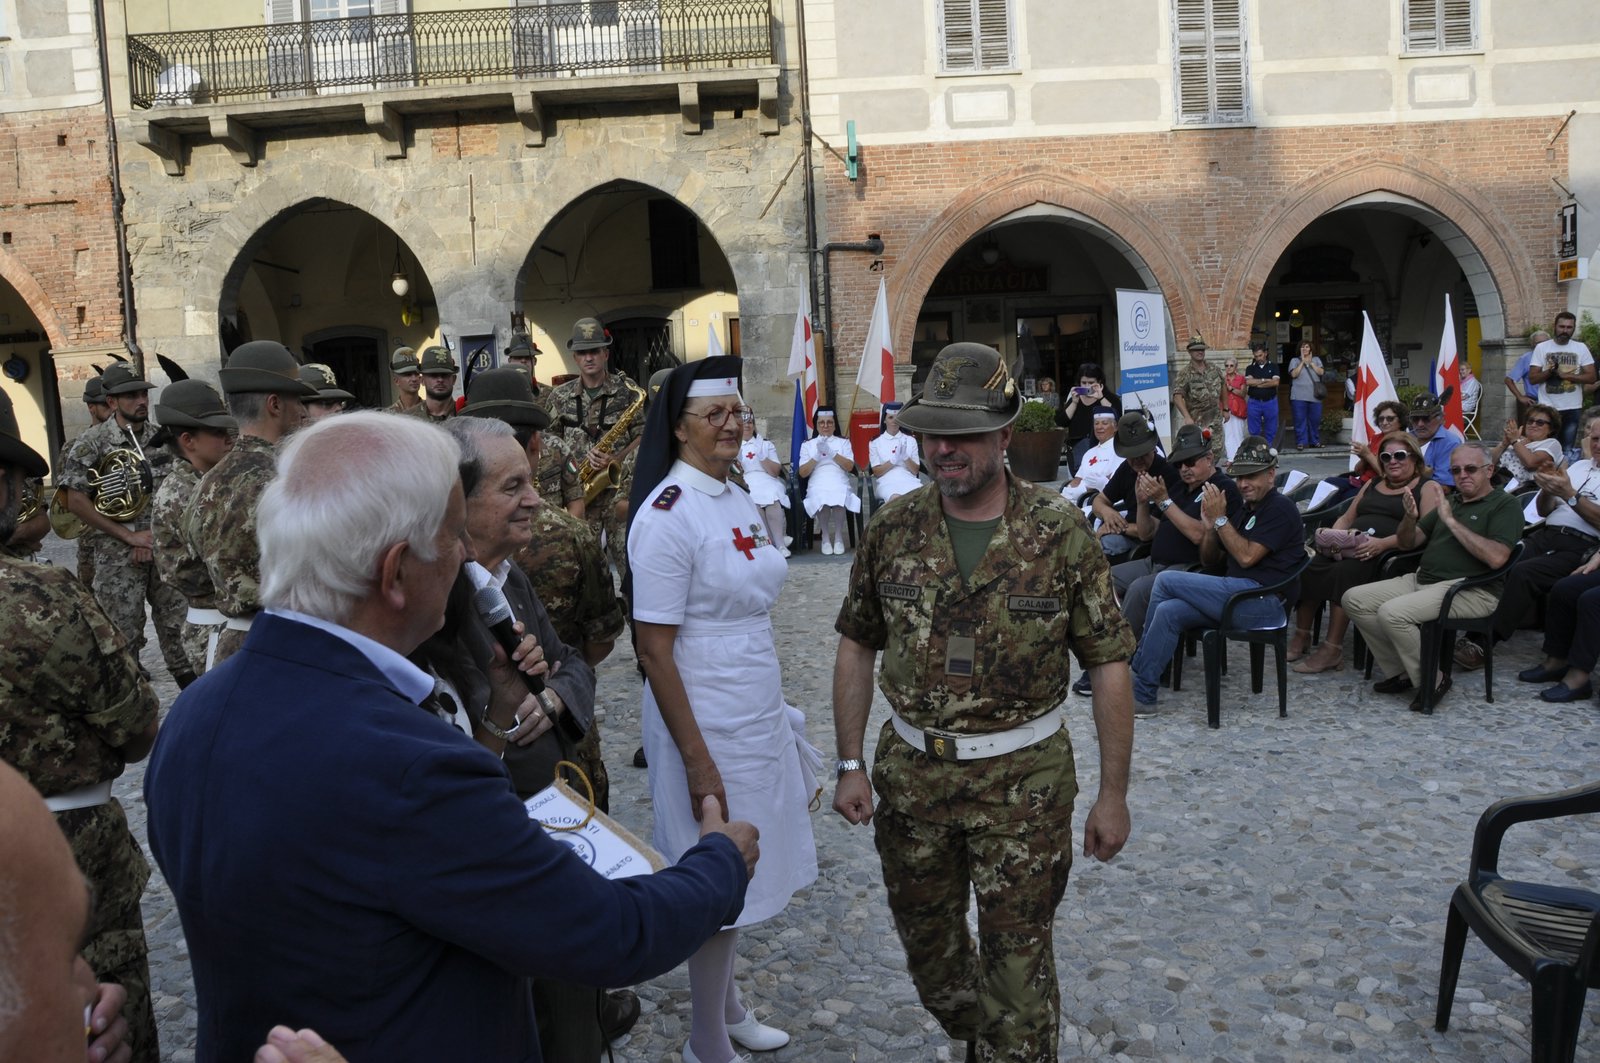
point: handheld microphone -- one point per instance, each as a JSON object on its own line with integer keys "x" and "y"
{"x": 492, "y": 606}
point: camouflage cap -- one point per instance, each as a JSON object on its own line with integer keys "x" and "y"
{"x": 1135, "y": 437}
{"x": 1196, "y": 343}
{"x": 969, "y": 389}
{"x": 94, "y": 392}
{"x": 120, "y": 379}
{"x": 437, "y": 361}
{"x": 193, "y": 404}
{"x": 1191, "y": 442}
{"x": 1254, "y": 455}
{"x": 504, "y": 395}
{"x": 403, "y": 362}
{"x": 13, "y": 451}
{"x": 588, "y": 335}
{"x": 264, "y": 367}
{"x": 1426, "y": 405}
{"x": 321, "y": 377}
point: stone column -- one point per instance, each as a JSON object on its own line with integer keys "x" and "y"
{"x": 1496, "y": 406}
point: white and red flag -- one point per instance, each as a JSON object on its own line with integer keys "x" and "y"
{"x": 1447, "y": 376}
{"x": 1372, "y": 387}
{"x": 803, "y": 367}
{"x": 876, "y": 376}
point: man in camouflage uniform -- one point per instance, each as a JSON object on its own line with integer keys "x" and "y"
{"x": 438, "y": 386}
{"x": 405, "y": 374}
{"x": 262, "y": 383}
{"x": 94, "y": 397}
{"x": 75, "y": 709}
{"x": 200, "y": 434}
{"x": 1199, "y": 391}
{"x": 584, "y": 410}
{"x": 975, "y": 593}
{"x": 124, "y": 570}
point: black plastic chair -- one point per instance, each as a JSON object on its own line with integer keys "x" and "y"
{"x": 1438, "y": 636}
{"x": 1214, "y": 640}
{"x": 1549, "y": 935}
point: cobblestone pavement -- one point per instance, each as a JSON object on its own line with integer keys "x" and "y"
{"x": 1282, "y": 897}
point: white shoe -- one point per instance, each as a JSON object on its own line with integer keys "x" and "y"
{"x": 827, "y": 547}
{"x": 755, "y": 1036}
{"x": 690, "y": 1057}
{"x": 785, "y": 551}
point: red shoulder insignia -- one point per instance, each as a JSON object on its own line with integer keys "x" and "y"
{"x": 667, "y": 498}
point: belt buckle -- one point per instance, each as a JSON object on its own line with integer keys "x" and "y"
{"x": 940, "y": 744}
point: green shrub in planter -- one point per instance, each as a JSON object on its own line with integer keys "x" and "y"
{"x": 1035, "y": 417}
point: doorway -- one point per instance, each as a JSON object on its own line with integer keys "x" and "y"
{"x": 356, "y": 357}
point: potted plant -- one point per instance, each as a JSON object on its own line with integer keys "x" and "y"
{"x": 1035, "y": 450}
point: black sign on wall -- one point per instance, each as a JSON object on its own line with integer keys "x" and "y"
{"x": 1569, "y": 231}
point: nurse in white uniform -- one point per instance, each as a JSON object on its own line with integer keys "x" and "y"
{"x": 826, "y": 462}
{"x": 896, "y": 463}
{"x": 705, "y": 575}
{"x": 758, "y": 460}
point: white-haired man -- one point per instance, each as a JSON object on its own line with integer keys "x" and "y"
{"x": 342, "y": 858}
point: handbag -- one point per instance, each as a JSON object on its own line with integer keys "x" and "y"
{"x": 1335, "y": 543}
{"x": 1319, "y": 390}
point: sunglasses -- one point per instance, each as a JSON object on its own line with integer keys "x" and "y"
{"x": 1466, "y": 470}
{"x": 1188, "y": 464}
{"x": 1387, "y": 418}
{"x": 1423, "y": 420}
{"x": 1541, "y": 420}
{"x": 1389, "y": 457}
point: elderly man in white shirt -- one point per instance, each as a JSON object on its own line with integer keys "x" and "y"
{"x": 1099, "y": 461}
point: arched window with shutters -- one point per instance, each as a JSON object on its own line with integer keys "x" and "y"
{"x": 975, "y": 35}
{"x": 1440, "y": 25}
{"x": 1210, "y": 62}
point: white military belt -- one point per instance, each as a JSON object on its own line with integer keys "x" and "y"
{"x": 83, "y": 797}
{"x": 240, "y": 623}
{"x": 948, "y": 745}
{"x": 204, "y": 617}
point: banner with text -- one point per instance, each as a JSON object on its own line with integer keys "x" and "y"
{"x": 1142, "y": 344}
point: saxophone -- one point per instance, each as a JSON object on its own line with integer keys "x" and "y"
{"x": 597, "y": 481}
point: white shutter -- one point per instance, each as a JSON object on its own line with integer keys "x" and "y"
{"x": 286, "y": 47}
{"x": 994, "y": 35}
{"x": 281, "y": 11}
{"x": 1211, "y": 69}
{"x": 1460, "y": 20}
{"x": 957, "y": 35}
{"x": 1440, "y": 25}
{"x": 1229, "y": 69}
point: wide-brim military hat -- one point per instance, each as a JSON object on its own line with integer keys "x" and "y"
{"x": 193, "y": 404}
{"x": 437, "y": 361}
{"x": 1426, "y": 405}
{"x": 504, "y": 395}
{"x": 326, "y": 384}
{"x": 1191, "y": 442}
{"x": 969, "y": 389}
{"x": 94, "y": 392}
{"x": 13, "y": 451}
{"x": 403, "y": 362}
{"x": 1254, "y": 455}
{"x": 263, "y": 367}
{"x": 120, "y": 379}
{"x": 588, "y": 335}
{"x": 1196, "y": 343}
{"x": 1135, "y": 436}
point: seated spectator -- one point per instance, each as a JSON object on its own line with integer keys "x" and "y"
{"x": 1262, "y": 543}
{"x": 1529, "y": 449}
{"x": 1138, "y": 445}
{"x": 1077, "y": 414}
{"x": 758, "y": 461}
{"x": 1376, "y": 513}
{"x": 1464, "y": 536}
{"x": 1170, "y": 523}
{"x": 826, "y": 464}
{"x": 1437, "y": 441}
{"x": 1388, "y": 416}
{"x": 896, "y": 462}
{"x": 1471, "y": 391}
{"x": 1569, "y": 502}
{"x": 344, "y": 860}
{"x": 1571, "y": 636}
{"x": 1099, "y": 461}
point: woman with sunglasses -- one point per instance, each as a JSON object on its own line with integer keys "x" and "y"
{"x": 1388, "y": 416}
{"x": 1378, "y": 509}
{"x": 1535, "y": 447}
{"x": 1233, "y": 428}
{"x": 826, "y": 464}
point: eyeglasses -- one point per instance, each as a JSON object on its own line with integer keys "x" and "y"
{"x": 1387, "y": 418}
{"x": 1540, "y": 420}
{"x": 1389, "y": 457}
{"x": 1422, "y": 420}
{"x": 718, "y": 416}
{"x": 1466, "y": 470}
{"x": 1190, "y": 463}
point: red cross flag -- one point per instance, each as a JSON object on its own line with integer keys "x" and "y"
{"x": 803, "y": 367}
{"x": 1372, "y": 387}
{"x": 1447, "y": 376}
{"x": 876, "y": 376}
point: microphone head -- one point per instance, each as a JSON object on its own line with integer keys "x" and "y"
{"x": 491, "y": 604}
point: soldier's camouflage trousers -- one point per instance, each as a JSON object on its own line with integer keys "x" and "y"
{"x": 122, "y": 587}
{"x": 1001, "y": 994}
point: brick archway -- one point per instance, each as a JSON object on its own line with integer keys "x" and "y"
{"x": 1007, "y": 193}
{"x": 33, "y": 294}
{"x": 1483, "y": 241}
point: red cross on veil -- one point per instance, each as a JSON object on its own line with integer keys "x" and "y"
{"x": 744, "y": 544}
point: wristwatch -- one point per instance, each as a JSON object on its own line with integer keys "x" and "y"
{"x": 1220, "y": 523}
{"x": 1573, "y": 501}
{"x": 1164, "y": 505}
{"x": 848, "y": 764}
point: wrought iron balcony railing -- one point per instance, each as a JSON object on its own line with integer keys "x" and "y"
{"x": 328, "y": 56}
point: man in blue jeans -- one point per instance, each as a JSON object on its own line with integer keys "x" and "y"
{"x": 1261, "y": 544}
{"x": 1262, "y": 392}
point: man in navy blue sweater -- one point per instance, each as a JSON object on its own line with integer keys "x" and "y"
{"x": 342, "y": 858}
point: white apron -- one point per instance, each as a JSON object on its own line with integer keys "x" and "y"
{"x": 828, "y": 485}
{"x": 896, "y": 449}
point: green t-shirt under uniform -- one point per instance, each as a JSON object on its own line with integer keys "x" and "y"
{"x": 969, "y": 539}
{"x": 1496, "y": 515}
